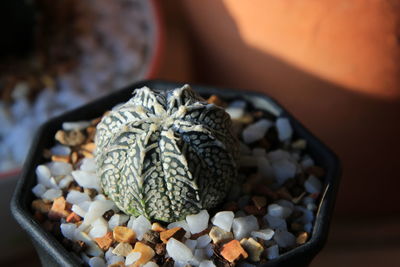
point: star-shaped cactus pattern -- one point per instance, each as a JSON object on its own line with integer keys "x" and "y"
{"x": 166, "y": 154}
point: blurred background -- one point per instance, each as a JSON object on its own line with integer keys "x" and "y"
{"x": 335, "y": 65}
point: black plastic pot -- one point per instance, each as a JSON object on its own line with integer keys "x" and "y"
{"x": 51, "y": 251}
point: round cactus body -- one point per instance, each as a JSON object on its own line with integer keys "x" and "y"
{"x": 166, "y": 154}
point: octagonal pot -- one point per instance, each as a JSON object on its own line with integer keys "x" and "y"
{"x": 52, "y": 252}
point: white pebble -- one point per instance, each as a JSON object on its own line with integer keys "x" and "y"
{"x": 278, "y": 154}
{"x": 283, "y": 170}
{"x": 200, "y": 254}
{"x": 59, "y": 168}
{"x": 115, "y": 258}
{"x": 190, "y": 243}
{"x": 209, "y": 250}
{"x": 284, "y": 128}
{"x": 235, "y": 112}
{"x": 243, "y": 226}
{"x": 313, "y": 185}
{"x": 89, "y": 165}
{"x": 272, "y": 252}
{"x": 132, "y": 257}
{"x": 117, "y": 220}
{"x": 203, "y": 241}
{"x": 256, "y": 131}
{"x": 44, "y": 177}
{"x": 207, "y": 263}
{"x": 150, "y": 264}
{"x": 275, "y": 222}
{"x": 97, "y": 209}
{"x": 141, "y": 225}
{"x": 76, "y": 197}
{"x": 65, "y": 182}
{"x": 87, "y": 179}
{"x": 108, "y": 254}
{"x": 279, "y": 211}
{"x": 76, "y": 125}
{"x": 265, "y": 234}
{"x": 81, "y": 208}
{"x": 68, "y": 230}
{"x": 284, "y": 239}
{"x": 130, "y": 222}
{"x": 178, "y": 251}
{"x": 60, "y": 150}
{"x": 97, "y": 262}
{"x": 223, "y": 220}
{"x": 99, "y": 228}
{"x": 52, "y": 194}
{"x": 39, "y": 190}
{"x": 307, "y": 162}
{"x": 198, "y": 222}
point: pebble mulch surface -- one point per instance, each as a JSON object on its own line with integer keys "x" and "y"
{"x": 269, "y": 212}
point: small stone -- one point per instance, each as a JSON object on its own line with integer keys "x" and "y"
{"x": 87, "y": 179}
{"x": 256, "y": 131}
{"x": 178, "y": 251}
{"x": 58, "y": 209}
{"x": 219, "y": 235}
{"x": 122, "y": 249}
{"x": 151, "y": 238}
{"x": 73, "y": 218}
{"x": 108, "y": 216}
{"x": 65, "y": 182}
{"x": 123, "y": 234}
{"x": 38, "y": 190}
{"x": 146, "y": 252}
{"x": 223, "y": 220}
{"x": 99, "y": 228}
{"x": 203, "y": 241}
{"x": 41, "y": 206}
{"x": 150, "y": 264}
{"x": 272, "y": 252}
{"x": 105, "y": 241}
{"x": 265, "y": 234}
{"x": 60, "y": 158}
{"x": 96, "y": 210}
{"x": 76, "y": 197}
{"x": 275, "y": 222}
{"x": 76, "y": 125}
{"x": 300, "y": 144}
{"x": 283, "y": 169}
{"x": 190, "y": 243}
{"x": 284, "y": 239}
{"x": 233, "y": 251}
{"x": 88, "y": 165}
{"x": 96, "y": 262}
{"x": 253, "y": 248}
{"x": 177, "y": 232}
{"x": 160, "y": 249}
{"x": 141, "y": 225}
{"x": 68, "y": 230}
{"x": 259, "y": 201}
{"x": 52, "y": 194}
{"x": 277, "y": 210}
{"x": 60, "y": 168}
{"x": 157, "y": 227}
{"x": 302, "y": 238}
{"x": 284, "y": 128}
{"x": 132, "y": 258}
{"x": 313, "y": 185}
{"x": 214, "y": 99}
{"x": 182, "y": 224}
{"x": 70, "y": 138}
{"x": 243, "y": 226}
{"x": 207, "y": 263}
{"x": 115, "y": 219}
{"x": 117, "y": 264}
{"x": 198, "y": 222}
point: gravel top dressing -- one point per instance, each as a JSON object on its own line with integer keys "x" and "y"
{"x": 268, "y": 210}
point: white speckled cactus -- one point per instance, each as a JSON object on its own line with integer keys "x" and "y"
{"x": 166, "y": 154}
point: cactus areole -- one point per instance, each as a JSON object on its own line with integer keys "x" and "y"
{"x": 166, "y": 154}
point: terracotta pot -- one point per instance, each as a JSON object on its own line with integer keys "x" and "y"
{"x": 335, "y": 64}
